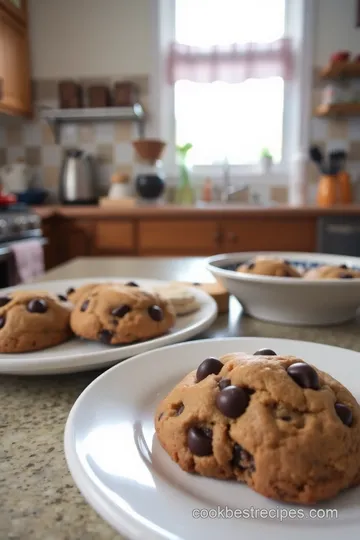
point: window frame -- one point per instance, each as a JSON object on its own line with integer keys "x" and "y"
{"x": 297, "y": 97}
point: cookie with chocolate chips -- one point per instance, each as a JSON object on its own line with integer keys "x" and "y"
{"x": 332, "y": 272}
{"x": 288, "y": 430}
{"x": 121, "y": 314}
{"x": 33, "y": 320}
{"x": 269, "y": 267}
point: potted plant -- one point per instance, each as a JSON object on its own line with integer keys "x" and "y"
{"x": 184, "y": 191}
{"x": 266, "y": 160}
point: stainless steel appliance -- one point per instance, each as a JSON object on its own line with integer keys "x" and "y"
{"x": 339, "y": 235}
{"x": 78, "y": 183}
{"x": 17, "y": 223}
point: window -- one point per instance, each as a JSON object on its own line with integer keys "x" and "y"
{"x": 226, "y": 120}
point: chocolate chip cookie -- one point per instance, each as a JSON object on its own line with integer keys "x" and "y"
{"x": 269, "y": 267}
{"x": 332, "y": 272}
{"x": 74, "y": 295}
{"x": 288, "y": 430}
{"x": 33, "y": 320}
{"x": 121, "y": 314}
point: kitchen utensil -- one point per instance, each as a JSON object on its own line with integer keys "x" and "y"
{"x": 120, "y": 187}
{"x": 335, "y": 162}
{"x": 32, "y": 196}
{"x": 317, "y": 157}
{"x": 78, "y": 178}
{"x": 126, "y": 94}
{"x": 99, "y": 96}
{"x": 81, "y": 355}
{"x": 327, "y": 190}
{"x": 150, "y": 177}
{"x": 70, "y": 95}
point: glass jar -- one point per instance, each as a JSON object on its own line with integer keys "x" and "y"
{"x": 150, "y": 180}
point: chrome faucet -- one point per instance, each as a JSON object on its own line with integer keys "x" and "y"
{"x": 228, "y": 192}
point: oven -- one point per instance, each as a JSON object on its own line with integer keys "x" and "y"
{"x": 17, "y": 224}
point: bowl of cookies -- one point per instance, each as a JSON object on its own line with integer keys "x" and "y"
{"x": 307, "y": 289}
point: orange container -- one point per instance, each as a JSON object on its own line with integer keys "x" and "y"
{"x": 327, "y": 191}
{"x": 344, "y": 188}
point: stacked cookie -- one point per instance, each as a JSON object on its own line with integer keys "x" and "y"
{"x": 109, "y": 313}
{"x": 282, "y": 268}
{"x": 288, "y": 430}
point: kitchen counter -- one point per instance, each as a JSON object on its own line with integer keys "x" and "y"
{"x": 206, "y": 211}
{"x": 38, "y": 499}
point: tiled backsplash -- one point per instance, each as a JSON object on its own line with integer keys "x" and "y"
{"x": 110, "y": 142}
{"x": 33, "y": 141}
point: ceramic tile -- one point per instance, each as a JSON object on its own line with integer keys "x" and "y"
{"x": 105, "y": 153}
{"x": 86, "y": 133}
{"x": 69, "y": 135}
{"x": 105, "y": 133}
{"x": 337, "y": 144}
{"x": 354, "y": 129}
{"x": 123, "y": 153}
{"x": 47, "y": 136}
{"x": 33, "y": 155}
{"x": 279, "y": 194}
{"x": 14, "y": 136}
{"x": 32, "y": 134}
{"x": 14, "y": 153}
{"x": 51, "y": 156}
{"x": 123, "y": 131}
{"x": 51, "y": 177}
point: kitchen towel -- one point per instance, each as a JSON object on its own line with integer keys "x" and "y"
{"x": 28, "y": 258}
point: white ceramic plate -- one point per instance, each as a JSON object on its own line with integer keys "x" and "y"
{"x": 78, "y": 355}
{"x": 287, "y": 300}
{"x": 122, "y": 471}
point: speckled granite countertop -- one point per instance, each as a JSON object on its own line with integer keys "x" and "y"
{"x": 38, "y": 499}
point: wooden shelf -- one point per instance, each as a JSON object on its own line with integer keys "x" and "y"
{"x": 338, "y": 109}
{"x": 57, "y": 117}
{"x": 341, "y": 70}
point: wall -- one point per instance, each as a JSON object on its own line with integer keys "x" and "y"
{"x": 335, "y": 30}
{"x": 87, "y": 38}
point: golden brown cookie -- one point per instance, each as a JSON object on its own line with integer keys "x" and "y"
{"x": 33, "y": 320}
{"x": 332, "y": 272}
{"x": 269, "y": 267}
{"x": 216, "y": 291}
{"x": 288, "y": 430}
{"x": 118, "y": 315}
{"x": 75, "y": 294}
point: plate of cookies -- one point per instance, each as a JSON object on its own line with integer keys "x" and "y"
{"x": 63, "y": 326}
{"x": 235, "y": 438}
{"x": 309, "y": 289}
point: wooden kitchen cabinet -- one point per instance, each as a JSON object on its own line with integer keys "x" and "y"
{"x": 277, "y": 234}
{"x": 16, "y": 8}
{"x": 15, "y": 85}
{"x": 77, "y": 238}
{"x": 114, "y": 237}
{"x": 178, "y": 237}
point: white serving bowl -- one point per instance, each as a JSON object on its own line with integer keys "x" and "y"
{"x": 286, "y": 300}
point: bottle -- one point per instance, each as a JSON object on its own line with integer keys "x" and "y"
{"x": 207, "y": 190}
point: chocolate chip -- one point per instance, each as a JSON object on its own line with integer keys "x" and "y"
{"x": 304, "y": 375}
{"x": 346, "y": 276}
{"x": 286, "y": 262}
{"x": 242, "y": 459}
{"x": 343, "y": 266}
{"x": 156, "y": 313}
{"x": 265, "y": 352}
{"x": 196, "y": 284}
{"x": 224, "y": 383}
{"x": 344, "y": 413}
{"x": 232, "y": 401}
{"x": 180, "y": 409}
{"x": 4, "y": 300}
{"x": 200, "y": 441}
{"x": 250, "y": 266}
{"x": 131, "y": 284}
{"x": 121, "y": 311}
{"x": 85, "y": 305}
{"x": 37, "y": 305}
{"x": 70, "y": 290}
{"x": 2, "y": 322}
{"x": 208, "y": 367}
{"x": 160, "y": 416}
{"x": 285, "y": 418}
{"x": 62, "y": 298}
{"x": 105, "y": 336}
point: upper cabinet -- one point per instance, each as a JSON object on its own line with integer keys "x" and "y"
{"x": 17, "y": 8}
{"x": 15, "y": 83}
